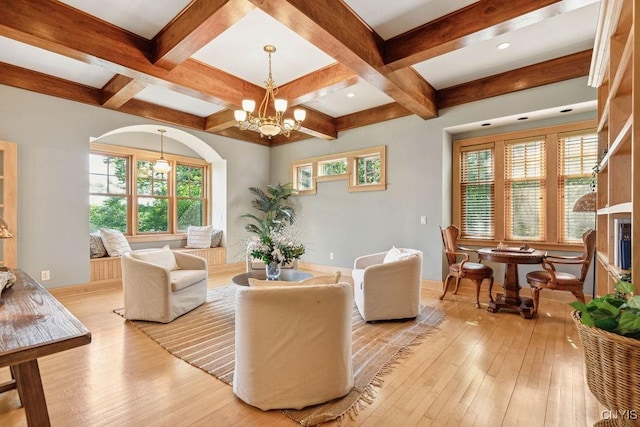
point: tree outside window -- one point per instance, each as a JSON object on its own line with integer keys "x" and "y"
{"x": 108, "y": 191}
{"x": 368, "y": 170}
{"x": 152, "y": 200}
{"x": 190, "y": 196}
{"x": 124, "y": 188}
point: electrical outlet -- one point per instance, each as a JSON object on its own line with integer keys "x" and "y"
{"x": 330, "y": 255}
{"x": 423, "y": 219}
{"x": 45, "y": 275}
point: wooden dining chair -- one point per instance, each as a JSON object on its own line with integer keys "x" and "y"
{"x": 550, "y": 278}
{"x": 463, "y": 269}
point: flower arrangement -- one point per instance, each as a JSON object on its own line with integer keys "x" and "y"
{"x": 279, "y": 245}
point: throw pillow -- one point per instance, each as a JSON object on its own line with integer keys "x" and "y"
{"x": 216, "y": 238}
{"x": 199, "y": 237}
{"x": 114, "y": 242}
{"x": 393, "y": 255}
{"x": 162, "y": 257}
{"x": 96, "y": 247}
{"x": 256, "y": 283}
{"x": 323, "y": 280}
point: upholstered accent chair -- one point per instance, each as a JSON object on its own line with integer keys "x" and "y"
{"x": 387, "y": 284}
{"x": 463, "y": 268}
{"x": 293, "y": 344}
{"x": 160, "y": 284}
{"x": 550, "y": 278}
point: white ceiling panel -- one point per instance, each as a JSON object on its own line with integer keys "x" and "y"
{"x": 239, "y": 51}
{"x": 43, "y": 61}
{"x": 529, "y": 45}
{"x": 392, "y": 18}
{"x": 142, "y": 17}
{"x": 168, "y": 98}
{"x": 339, "y": 103}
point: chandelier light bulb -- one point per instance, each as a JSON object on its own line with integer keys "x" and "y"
{"x": 299, "y": 115}
{"x": 248, "y": 105}
{"x": 281, "y": 105}
{"x": 268, "y": 125}
{"x": 240, "y": 115}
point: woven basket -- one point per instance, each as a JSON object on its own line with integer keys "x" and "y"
{"x": 612, "y": 365}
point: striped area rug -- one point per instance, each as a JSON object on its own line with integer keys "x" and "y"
{"x": 205, "y": 339}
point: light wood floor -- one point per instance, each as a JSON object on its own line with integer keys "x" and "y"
{"x": 477, "y": 369}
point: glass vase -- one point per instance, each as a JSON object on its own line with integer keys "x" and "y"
{"x": 273, "y": 271}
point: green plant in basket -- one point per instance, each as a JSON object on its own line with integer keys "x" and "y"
{"x": 618, "y": 313}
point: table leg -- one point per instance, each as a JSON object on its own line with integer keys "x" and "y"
{"x": 29, "y": 386}
{"x": 511, "y": 298}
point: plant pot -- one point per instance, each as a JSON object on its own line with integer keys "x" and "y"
{"x": 612, "y": 367}
{"x": 273, "y": 270}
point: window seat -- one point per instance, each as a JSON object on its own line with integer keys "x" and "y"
{"x": 107, "y": 269}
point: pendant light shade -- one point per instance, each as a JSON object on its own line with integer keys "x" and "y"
{"x": 161, "y": 166}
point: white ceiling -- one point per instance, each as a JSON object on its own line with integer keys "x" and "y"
{"x": 239, "y": 50}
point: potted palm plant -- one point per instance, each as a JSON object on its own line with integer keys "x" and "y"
{"x": 274, "y": 241}
{"x": 609, "y": 329}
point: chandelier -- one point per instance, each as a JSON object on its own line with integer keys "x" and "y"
{"x": 161, "y": 166}
{"x": 268, "y": 125}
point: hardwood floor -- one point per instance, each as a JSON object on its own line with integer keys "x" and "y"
{"x": 477, "y": 369}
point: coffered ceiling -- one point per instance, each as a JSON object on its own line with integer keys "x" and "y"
{"x": 349, "y": 63}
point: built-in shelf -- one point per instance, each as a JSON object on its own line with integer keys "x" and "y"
{"x": 618, "y": 97}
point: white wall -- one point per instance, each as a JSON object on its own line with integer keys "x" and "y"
{"x": 53, "y": 148}
{"x": 418, "y": 177}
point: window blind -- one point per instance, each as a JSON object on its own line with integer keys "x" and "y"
{"x": 578, "y": 156}
{"x": 477, "y": 193}
{"x": 525, "y": 189}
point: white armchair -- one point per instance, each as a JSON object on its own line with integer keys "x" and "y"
{"x": 293, "y": 345}
{"x": 387, "y": 284}
{"x": 160, "y": 285}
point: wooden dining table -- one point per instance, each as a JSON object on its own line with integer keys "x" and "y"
{"x": 511, "y": 257}
{"x": 34, "y": 324}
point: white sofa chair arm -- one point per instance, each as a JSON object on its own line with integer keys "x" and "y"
{"x": 368, "y": 260}
{"x": 190, "y": 262}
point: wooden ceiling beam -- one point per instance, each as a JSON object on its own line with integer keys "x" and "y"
{"x": 544, "y": 73}
{"x": 119, "y": 90}
{"x": 332, "y": 27}
{"x": 243, "y": 135}
{"x": 372, "y": 115}
{"x": 34, "y": 81}
{"x": 59, "y": 28}
{"x": 477, "y": 22}
{"x": 197, "y": 25}
{"x": 162, "y": 114}
{"x": 319, "y": 83}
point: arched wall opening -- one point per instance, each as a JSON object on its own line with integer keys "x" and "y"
{"x": 205, "y": 151}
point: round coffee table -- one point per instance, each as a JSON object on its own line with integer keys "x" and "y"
{"x": 286, "y": 275}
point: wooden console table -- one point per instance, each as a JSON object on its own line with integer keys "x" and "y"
{"x": 34, "y": 324}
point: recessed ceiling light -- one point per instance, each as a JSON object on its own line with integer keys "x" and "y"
{"x": 351, "y": 95}
{"x": 486, "y": 124}
{"x": 566, "y": 110}
{"x": 503, "y": 45}
{"x": 523, "y": 118}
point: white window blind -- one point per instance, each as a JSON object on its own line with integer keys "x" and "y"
{"x": 477, "y": 193}
{"x": 525, "y": 189}
{"x": 578, "y": 156}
